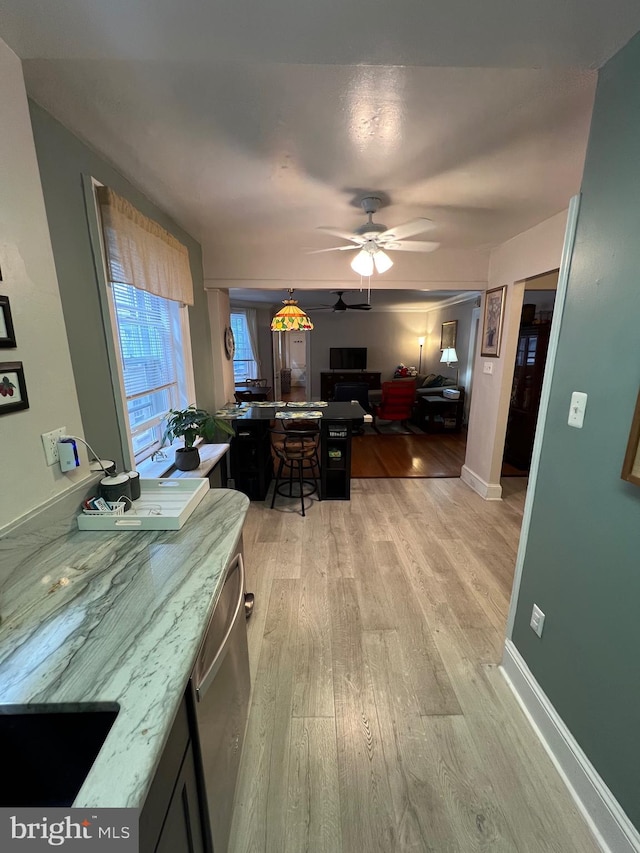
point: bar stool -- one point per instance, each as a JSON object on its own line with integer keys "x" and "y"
{"x": 296, "y": 449}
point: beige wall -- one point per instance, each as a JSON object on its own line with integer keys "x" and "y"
{"x": 219, "y": 319}
{"x": 29, "y": 280}
{"x": 531, "y": 253}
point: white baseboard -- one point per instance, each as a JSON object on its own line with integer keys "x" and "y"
{"x": 611, "y": 827}
{"x": 488, "y": 491}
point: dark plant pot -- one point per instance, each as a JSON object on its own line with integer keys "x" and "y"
{"x": 187, "y": 458}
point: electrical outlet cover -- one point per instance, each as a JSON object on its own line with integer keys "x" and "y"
{"x": 50, "y": 444}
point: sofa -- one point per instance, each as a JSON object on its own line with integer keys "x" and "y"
{"x": 427, "y": 385}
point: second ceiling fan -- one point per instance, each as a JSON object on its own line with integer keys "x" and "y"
{"x": 374, "y": 240}
{"x": 341, "y": 305}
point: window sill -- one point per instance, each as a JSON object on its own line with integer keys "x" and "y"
{"x": 210, "y": 455}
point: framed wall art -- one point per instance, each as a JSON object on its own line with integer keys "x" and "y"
{"x": 7, "y": 335}
{"x": 492, "y": 322}
{"x": 631, "y": 464}
{"x": 13, "y": 389}
{"x": 448, "y": 334}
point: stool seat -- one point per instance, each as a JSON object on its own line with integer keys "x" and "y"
{"x": 297, "y": 450}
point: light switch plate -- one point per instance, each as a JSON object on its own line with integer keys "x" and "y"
{"x": 577, "y": 409}
{"x": 537, "y": 620}
{"x": 487, "y": 367}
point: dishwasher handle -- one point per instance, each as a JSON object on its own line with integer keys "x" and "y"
{"x": 211, "y": 673}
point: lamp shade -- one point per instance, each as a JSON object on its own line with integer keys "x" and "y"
{"x": 291, "y": 318}
{"x": 449, "y": 355}
{"x": 362, "y": 263}
{"x": 382, "y": 261}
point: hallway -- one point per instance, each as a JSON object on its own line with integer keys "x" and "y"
{"x": 379, "y": 719}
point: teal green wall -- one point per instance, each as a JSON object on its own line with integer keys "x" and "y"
{"x": 582, "y": 562}
{"x": 63, "y": 159}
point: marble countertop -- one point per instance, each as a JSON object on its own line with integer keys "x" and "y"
{"x": 115, "y": 617}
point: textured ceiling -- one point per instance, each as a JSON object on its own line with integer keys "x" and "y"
{"x": 252, "y": 124}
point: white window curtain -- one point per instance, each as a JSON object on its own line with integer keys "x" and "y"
{"x": 252, "y": 331}
{"x": 141, "y": 253}
{"x": 150, "y": 287}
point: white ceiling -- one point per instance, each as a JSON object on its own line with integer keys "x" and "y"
{"x": 252, "y": 123}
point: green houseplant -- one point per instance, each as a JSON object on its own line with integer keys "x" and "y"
{"x": 190, "y": 424}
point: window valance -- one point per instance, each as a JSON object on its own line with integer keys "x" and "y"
{"x": 141, "y": 253}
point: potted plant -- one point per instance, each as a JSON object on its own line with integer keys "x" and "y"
{"x": 190, "y": 424}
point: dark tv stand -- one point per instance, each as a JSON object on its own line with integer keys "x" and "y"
{"x": 328, "y": 380}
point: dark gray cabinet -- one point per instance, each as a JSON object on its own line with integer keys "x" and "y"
{"x": 335, "y": 461}
{"x": 170, "y": 821}
{"x": 328, "y": 380}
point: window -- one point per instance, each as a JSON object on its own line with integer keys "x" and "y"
{"x": 245, "y": 364}
{"x": 150, "y": 335}
{"x": 148, "y": 289}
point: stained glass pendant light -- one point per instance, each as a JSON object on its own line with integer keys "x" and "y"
{"x": 291, "y": 318}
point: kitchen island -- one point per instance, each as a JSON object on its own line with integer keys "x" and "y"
{"x": 116, "y": 617}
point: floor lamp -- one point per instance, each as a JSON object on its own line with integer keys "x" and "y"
{"x": 421, "y": 342}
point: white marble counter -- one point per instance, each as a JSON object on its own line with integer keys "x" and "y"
{"x": 114, "y": 617}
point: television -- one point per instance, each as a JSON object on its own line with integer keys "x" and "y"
{"x": 348, "y": 358}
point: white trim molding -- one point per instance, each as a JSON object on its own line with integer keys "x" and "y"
{"x": 488, "y": 491}
{"x": 606, "y": 819}
{"x": 545, "y": 394}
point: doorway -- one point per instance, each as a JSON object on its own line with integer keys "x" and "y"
{"x": 530, "y": 363}
{"x": 291, "y": 365}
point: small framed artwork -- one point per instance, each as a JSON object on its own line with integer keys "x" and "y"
{"x": 631, "y": 464}
{"x": 492, "y": 322}
{"x": 448, "y": 334}
{"x": 13, "y": 389}
{"x": 7, "y": 335}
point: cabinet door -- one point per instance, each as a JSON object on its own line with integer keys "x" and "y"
{"x": 182, "y": 830}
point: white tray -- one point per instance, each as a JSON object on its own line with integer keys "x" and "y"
{"x": 163, "y": 504}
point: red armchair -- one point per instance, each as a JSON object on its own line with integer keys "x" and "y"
{"x": 396, "y": 403}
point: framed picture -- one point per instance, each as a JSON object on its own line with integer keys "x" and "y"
{"x": 631, "y": 464}
{"x": 492, "y": 322}
{"x": 7, "y": 335}
{"x": 448, "y": 334}
{"x": 13, "y": 389}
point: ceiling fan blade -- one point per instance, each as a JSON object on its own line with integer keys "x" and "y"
{"x": 362, "y": 307}
{"x": 408, "y": 229}
{"x": 332, "y": 249}
{"x": 410, "y": 246}
{"x": 346, "y": 235}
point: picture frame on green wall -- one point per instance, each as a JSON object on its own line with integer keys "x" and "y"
{"x": 631, "y": 465}
{"x": 492, "y": 322}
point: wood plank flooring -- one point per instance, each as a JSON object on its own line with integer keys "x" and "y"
{"x": 379, "y": 720}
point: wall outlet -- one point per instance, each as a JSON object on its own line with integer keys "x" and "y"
{"x": 537, "y": 620}
{"x": 487, "y": 367}
{"x": 50, "y": 444}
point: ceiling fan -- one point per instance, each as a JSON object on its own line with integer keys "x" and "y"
{"x": 341, "y": 305}
{"x": 374, "y": 240}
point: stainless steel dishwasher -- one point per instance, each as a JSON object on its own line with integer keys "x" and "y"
{"x": 220, "y": 690}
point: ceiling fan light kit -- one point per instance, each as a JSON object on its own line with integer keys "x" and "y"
{"x": 374, "y": 240}
{"x": 291, "y": 318}
{"x": 363, "y": 263}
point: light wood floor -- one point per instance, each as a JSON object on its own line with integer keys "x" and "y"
{"x": 379, "y": 720}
